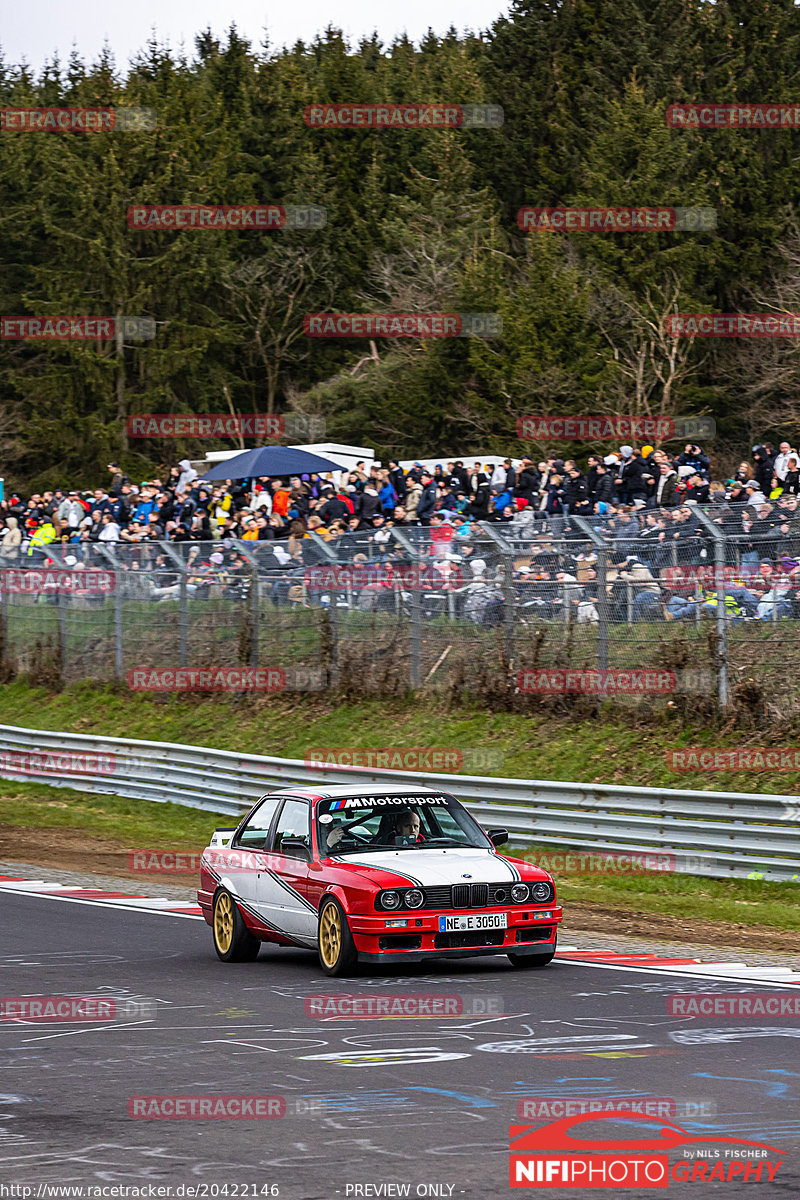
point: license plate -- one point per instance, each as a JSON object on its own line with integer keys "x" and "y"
{"x": 473, "y": 921}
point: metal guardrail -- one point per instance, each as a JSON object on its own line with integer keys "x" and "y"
{"x": 716, "y": 834}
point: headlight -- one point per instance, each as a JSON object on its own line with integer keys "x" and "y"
{"x": 414, "y": 898}
{"x": 519, "y": 893}
{"x": 389, "y": 899}
{"x": 541, "y": 892}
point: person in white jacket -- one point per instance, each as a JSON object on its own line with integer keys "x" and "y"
{"x": 781, "y": 464}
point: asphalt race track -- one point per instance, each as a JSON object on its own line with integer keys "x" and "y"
{"x": 423, "y": 1101}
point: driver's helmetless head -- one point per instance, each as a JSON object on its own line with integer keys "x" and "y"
{"x": 408, "y": 824}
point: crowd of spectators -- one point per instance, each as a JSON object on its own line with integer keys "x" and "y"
{"x": 644, "y": 500}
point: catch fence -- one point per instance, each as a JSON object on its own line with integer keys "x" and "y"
{"x": 698, "y": 601}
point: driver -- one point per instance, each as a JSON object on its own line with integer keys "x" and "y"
{"x": 407, "y": 825}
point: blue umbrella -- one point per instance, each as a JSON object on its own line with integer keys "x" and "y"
{"x": 270, "y": 460}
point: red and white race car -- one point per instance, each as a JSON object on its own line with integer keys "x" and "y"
{"x": 373, "y": 874}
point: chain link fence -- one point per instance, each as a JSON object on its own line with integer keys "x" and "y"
{"x": 668, "y": 607}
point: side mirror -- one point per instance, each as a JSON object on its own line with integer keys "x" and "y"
{"x": 497, "y": 836}
{"x": 294, "y": 847}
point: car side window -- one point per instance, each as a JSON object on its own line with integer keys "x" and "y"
{"x": 253, "y": 836}
{"x": 293, "y": 822}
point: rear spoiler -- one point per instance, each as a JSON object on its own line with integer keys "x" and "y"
{"x": 222, "y": 837}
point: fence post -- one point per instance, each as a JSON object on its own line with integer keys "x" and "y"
{"x": 118, "y": 664}
{"x": 601, "y": 549}
{"x": 720, "y": 542}
{"x": 255, "y": 609}
{"x": 183, "y": 619}
{"x": 3, "y": 624}
{"x": 333, "y": 618}
{"x": 415, "y": 632}
{"x": 415, "y": 657}
{"x": 62, "y": 630}
{"x": 183, "y": 611}
{"x": 509, "y": 592}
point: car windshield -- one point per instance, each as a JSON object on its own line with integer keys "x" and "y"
{"x": 355, "y": 823}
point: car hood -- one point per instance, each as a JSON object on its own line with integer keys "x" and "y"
{"x": 435, "y": 867}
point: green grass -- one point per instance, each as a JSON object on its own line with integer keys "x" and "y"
{"x": 618, "y": 748}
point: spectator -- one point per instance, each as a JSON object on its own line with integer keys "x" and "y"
{"x": 12, "y": 541}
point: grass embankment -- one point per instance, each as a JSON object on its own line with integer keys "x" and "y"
{"x": 544, "y": 747}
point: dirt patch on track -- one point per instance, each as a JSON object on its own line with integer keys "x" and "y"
{"x": 597, "y": 919}
{"x": 55, "y": 846}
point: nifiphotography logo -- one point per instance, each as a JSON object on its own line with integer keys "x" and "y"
{"x": 551, "y": 1156}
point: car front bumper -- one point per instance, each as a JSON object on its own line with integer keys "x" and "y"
{"x": 531, "y": 931}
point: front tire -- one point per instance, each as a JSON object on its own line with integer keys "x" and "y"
{"x": 233, "y": 941}
{"x": 337, "y": 951}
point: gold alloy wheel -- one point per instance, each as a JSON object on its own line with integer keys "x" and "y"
{"x": 330, "y": 935}
{"x": 223, "y": 923}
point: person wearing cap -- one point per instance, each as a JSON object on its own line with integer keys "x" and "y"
{"x": 753, "y": 494}
{"x": 603, "y": 491}
{"x": 576, "y": 493}
{"x": 397, "y": 478}
{"x": 71, "y": 509}
{"x": 762, "y": 472}
{"x": 665, "y": 486}
{"x": 44, "y": 535}
{"x": 630, "y": 481}
{"x": 426, "y": 503}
